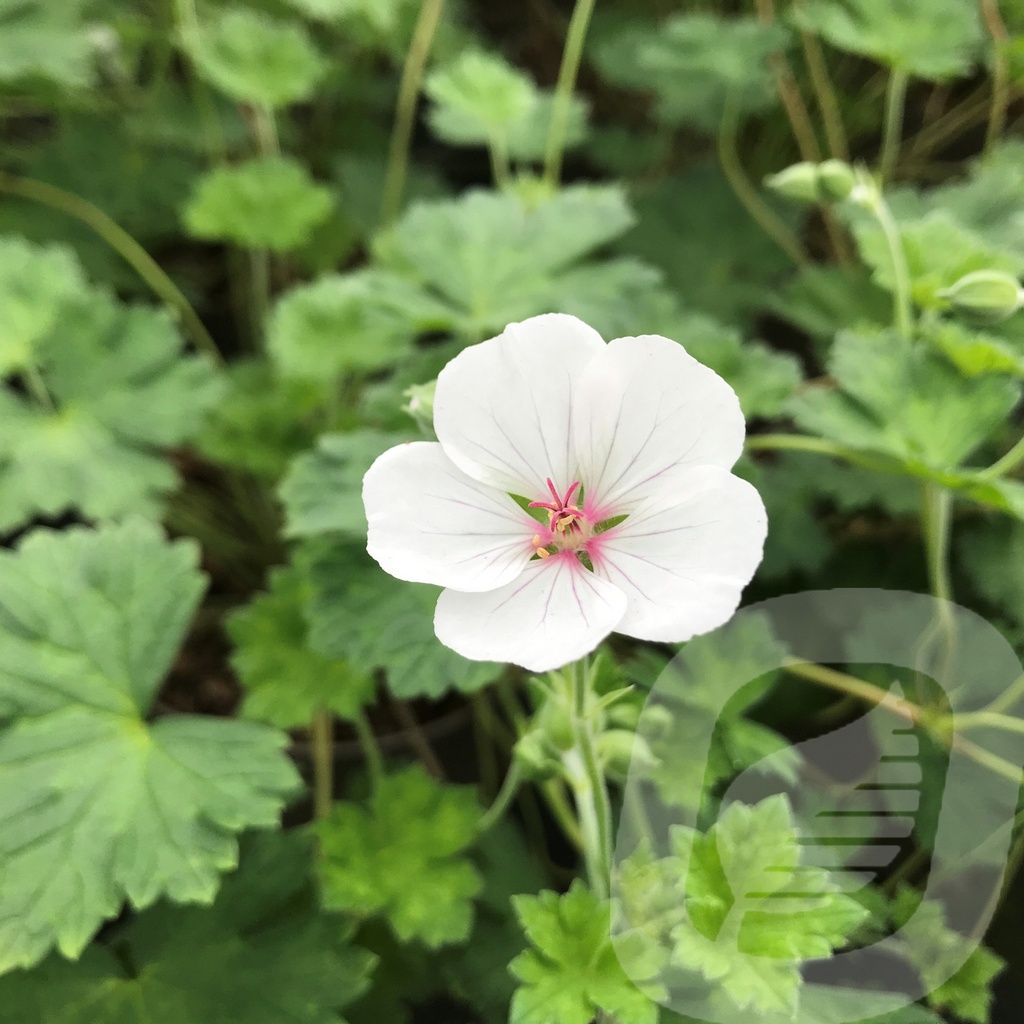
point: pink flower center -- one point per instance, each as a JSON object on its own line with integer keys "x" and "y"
{"x": 570, "y": 529}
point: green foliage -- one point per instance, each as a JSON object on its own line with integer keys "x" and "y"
{"x": 34, "y": 282}
{"x": 939, "y": 41}
{"x": 261, "y": 954}
{"x": 402, "y": 856}
{"x": 111, "y": 390}
{"x": 493, "y": 259}
{"x": 571, "y": 969}
{"x": 699, "y": 66}
{"x": 257, "y": 59}
{"x": 101, "y": 805}
{"x": 268, "y": 203}
{"x": 902, "y": 400}
{"x": 322, "y": 492}
{"x": 263, "y": 420}
{"x": 43, "y": 41}
{"x": 286, "y": 682}
{"x": 374, "y": 621}
{"x": 746, "y": 912}
{"x": 359, "y": 321}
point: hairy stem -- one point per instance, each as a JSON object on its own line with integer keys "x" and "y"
{"x": 405, "y": 110}
{"x": 371, "y": 751}
{"x": 562, "y": 105}
{"x": 503, "y": 801}
{"x": 1000, "y": 73}
{"x": 828, "y": 102}
{"x": 892, "y": 132}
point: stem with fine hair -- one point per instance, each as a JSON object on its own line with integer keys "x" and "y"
{"x": 828, "y": 102}
{"x": 766, "y": 217}
{"x": 1003, "y": 465}
{"x": 892, "y": 132}
{"x": 503, "y": 801}
{"x": 321, "y": 732}
{"x": 1000, "y": 72}
{"x": 405, "y": 109}
{"x": 371, "y": 751}
{"x": 562, "y": 105}
{"x": 123, "y": 244}
{"x": 901, "y": 295}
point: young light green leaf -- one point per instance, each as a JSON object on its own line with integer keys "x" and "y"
{"x": 117, "y": 390}
{"x": 44, "y": 41}
{"x": 264, "y": 953}
{"x": 322, "y": 492}
{"x": 264, "y": 420}
{"x": 359, "y": 321}
{"x": 101, "y": 805}
{"x": 904, "y": 401}
{"x": 402, "y": 856}
{"x": 35, "y": 281}
{"x": 974, "y": 352}
{"x": 494, "y": 260}
{"x": 479, "y": 97}
{"x": 286, "y": 682}
{"x": 257, "y": 59}
{"x": 938, "y": 41}
{"x": 571, "y": 970}
{"x": 371, "y": 621}
{"x": 267, "y": 203}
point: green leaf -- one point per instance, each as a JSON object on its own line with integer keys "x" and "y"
{"x": 939, "y": 251}
{"x": 264, "y": 420}
{"x": 479, "y": 97}
{"x": 35, "y": 281}
{"x": 752, "y": 912}
{"x": 371, "y": 620}
{"x": 992, "y": 555}
{"x": 402, "y": 856}
{"x": 936, "y": 950}
{"x": 257, "y": 59}
{"x": 902, "y": 400}
{"x": 694, "y": 63}
{"x": 938, "y": 41}
{"x": 102, "y": 806}
{"x": 714, "y": 256}
{"x": 974, "y": 352}
{"x": 571, "y": 970}
{"x": 262, "y": 954}
{"x": 494, "y": 260}
{"x": 40, "y": 40}
{"x": 322, "y": 492}
{"x": 119, "y": 392}
{"x": 268, "y": 203}
{"x": 360, "y": 321}
{"x": 286, "y": 682}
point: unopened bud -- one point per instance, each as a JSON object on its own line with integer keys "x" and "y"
{"x": 555, "y": 723}
{"x": 533, "y": 755}
{"x": 989, "y": 294}
{"x": 836, "y": 180}
{"x": 620, "y": 750}
{"x": 420, "y": 404}
{"x": 800, "y": 181}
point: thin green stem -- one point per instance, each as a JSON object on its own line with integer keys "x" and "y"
{"x": 936, "y": 516}
{"x": 1007, "y": 698}
{"x": 892, "y": 131}
{"x": 901, "y": 296}
{"x": 503, "y": 801}
{"x": 37, "y": 387}
{"x": 1002, "y": 466}
{"x": 824, "y": 91}
{"x": 562, "y": 104}
{"x": 321, "y": 731}
{"x": 819, "y": 446}
{"x": 989, "y": 720}
{"x": 1000, "y": 73}
{"x": 265, "y": 128}
{"x": 748, "y": 195}
{"x": 405, "y": 110}
{"x": 371, "y": 751}
{"x": 122, "y": 243}
{"x": 501, "y": 170}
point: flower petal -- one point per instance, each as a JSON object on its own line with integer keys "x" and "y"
{"x": 556, "y": 612}
{"x": 645, "y": 409}
{"x": 430, "y": 523}
{"x": 502, "y": 409}
{"x": 683, "y": 566}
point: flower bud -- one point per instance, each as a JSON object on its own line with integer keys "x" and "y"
{"x": 800, "y": 181}
{"x": 836, "y": 180}
{"x": 990, "y": 294}
{"x": 620, "y": 749}
{"x": 555, "y": 723}
{"x": 533, "y": 755}
{"x": 420, "y": 405}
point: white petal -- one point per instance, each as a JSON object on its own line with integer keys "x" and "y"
{"x": 645, "y": 410}
{"x": 683, "y": 565}
{"x": 502, "y": 409}
{"x": 430, "y": 523}
{"x": 556, "y": 612}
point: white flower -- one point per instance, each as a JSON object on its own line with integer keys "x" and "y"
{"x": 623, "y": 452}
